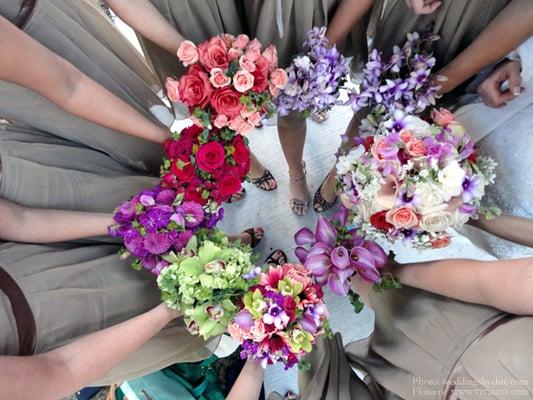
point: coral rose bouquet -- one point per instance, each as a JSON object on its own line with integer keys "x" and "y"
{"x": 206, "y": 280}
{"x": 315, "y": 78}
{"x": 230, "y": 82}
{"x": 412, "y": 180}
{"x": 280, "y": 318}
{"x": 156, "y": 222}
{"x": 207, "y": 166}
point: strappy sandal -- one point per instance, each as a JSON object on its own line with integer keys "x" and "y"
{"x": 237, "y": 196}
{"x": 280, "y": 259}
{"x": 255, "y": 238}
{"x": 263, "y": 179}
{"x": 320, "y": 204}
{"x": 320, "y": 116}
{"x": 297, "y": 203}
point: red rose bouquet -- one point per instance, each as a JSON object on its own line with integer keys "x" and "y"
{"x": 230, "y": 82}
{"x": 207, "y": 166}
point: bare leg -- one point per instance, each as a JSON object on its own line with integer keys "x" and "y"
{"x": 292, "y": 139}
{"x": 246, "y": 238}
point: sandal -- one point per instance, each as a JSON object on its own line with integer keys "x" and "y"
{"x": 255, "y": 238}
{"x": 320, "y": 204}
{"x": 237, "y": 196}
{"x": 263, "y": 179}
{"x": 320, "y": 116}
{"x": 297, "y": 203}
{"x": 277, "y": 257}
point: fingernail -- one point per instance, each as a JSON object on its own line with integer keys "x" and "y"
{"x": 441, "y": 78}
{"x": 516, "y": 91}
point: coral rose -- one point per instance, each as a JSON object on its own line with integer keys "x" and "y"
{"x": 402, "y": 217}
{"x": 243, "y": 81}
{"x": 188, "y": 53}
{"x": 172, "y": 87}
{"x": 227, "y": 101}
{"x": 442, "y": 117}
{"x": 218, "y": 78}
{"x": 194, "y": 88}
{"x": 214, "y": 54}
{"x": 279, "y": 78}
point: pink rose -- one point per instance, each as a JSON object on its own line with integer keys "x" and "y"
{"x": 252, "y": 55}
{"x": 172, "y": 86}
{"x": 271, "y": 55}
{"x": 188, "y": 53}
{"x": 234, "y": 54}
{"x": 228, "y": 39}
{"x": 246, "y": 65}
{"x": 402, "y": 217}
{"x": 218, "y": 78}
{"x": 194, "y": 88}
{"x": 227, "y": 101}
{"x": 248, "y": 112}
{"x": 442, "y": 117}
{"x": 416, "y": 148}
{"x": 243, "y": 81}
{"x": 241, "y": 41}
{"x": 240, "y": 126}
{"x": 406, "y": 135}
{"x": 254, "y": 45}
{"x": 380, "y": 150}
{"x": 221, "y": 121}
{"x": 274, "y": 91}
{"x": 279, "y": 78}
{"x": 255, "y": 119}
{"x": 260, "y": 75}
{"x": 213, "y": 54}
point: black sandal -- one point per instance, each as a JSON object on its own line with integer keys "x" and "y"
{"x": 255, "y": 240}
{"x": 279, "y": 260}
{"x": 320, "y": 204}
{"x": 234, "y": 199}
{"x": 259, "y": 182}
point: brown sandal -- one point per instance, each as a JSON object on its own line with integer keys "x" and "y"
{"x": 260, "y": 182}
{"x": 320, "y": 204}
{"x": 237, "y": 196}
{"x": 280, "y": 259}
{"x": 255, "y": 239}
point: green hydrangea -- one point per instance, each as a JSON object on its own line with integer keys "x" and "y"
{"x": 205, "y": 281}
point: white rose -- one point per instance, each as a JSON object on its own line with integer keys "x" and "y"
{"x": 417, "y": 126}
{"x": 437, "y": 222}
{"x": 430, "y": 195}
{"x": 451, "y": 178}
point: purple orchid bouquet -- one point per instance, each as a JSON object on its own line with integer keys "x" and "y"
{"x": 403, "y": 83}
{"x": 158, "y": 221}
{"x": 315, "y": 78}
{"x": 335, "y": 252}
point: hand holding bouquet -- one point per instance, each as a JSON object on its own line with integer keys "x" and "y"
{"x": 281, "y": 316}
{"x": 230, "y": 82}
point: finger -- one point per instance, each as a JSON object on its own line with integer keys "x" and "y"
{"x": 515, "y": 84}
{"x": 430, "y": 8}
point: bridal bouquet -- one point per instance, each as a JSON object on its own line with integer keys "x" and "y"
{"x": 206, "y": 166}
{"x": 335, "y": 253}
{"x": 206, "y": 280}
{"x": 315, "y": 78}
{"x": 413, "y": 179}
{"x": 280, "y": 317}
{"x": 157, "y": 221}
{"x": 230, "y": 82}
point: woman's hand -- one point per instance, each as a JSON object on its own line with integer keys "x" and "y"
{"x": 423, "y": 6}
{"x": 493, "y": 90}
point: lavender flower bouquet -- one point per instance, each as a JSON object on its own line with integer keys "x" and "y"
{"x": 315, "y": 78}
{"x": 157, "y": 221}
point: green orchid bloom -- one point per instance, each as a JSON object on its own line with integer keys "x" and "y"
{"x": 289, "y": 288}
{"x": 300, "y": 340}
{"x": 255, "y": 303}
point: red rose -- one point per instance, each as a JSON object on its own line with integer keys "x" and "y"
{"x": 379, "y": 221}
{"x": 226, "y": 101}
{"x": 177, "y": 148}
{"x": 194, "y": 88}
{"x": 193, "y": 194}
{"x": 168, "y": 180}
{"x": 368, "y": 142}
{"x": 183, "y": 169}
{"x": 192, "y": 132}
{"x": 473, "y": 157}
{"x": 241, "y": 154}
{"x": 214, "y": 54}
{"x": 210, "y": 156}
{"x": 229, "y": 185}
{"x": 260, "y": 75}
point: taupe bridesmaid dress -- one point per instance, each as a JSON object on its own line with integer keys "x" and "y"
{"x": 196, "y": 20}
{"x": 82, "y": 34}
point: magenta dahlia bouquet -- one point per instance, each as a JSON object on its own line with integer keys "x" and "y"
{"x": 230, "y": 82}
{"x": 315, "y": 78}
{"x": 206, "y": 166}
{"x": 158, "y": 221}
{"x": 280, "y": 317}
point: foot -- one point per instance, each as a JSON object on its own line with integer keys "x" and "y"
{"x": 320, "y": 116}
{"x": 237, "y": 196}
{"x": 326, "y": 195}
{"x": 261, "y": 177}
{"x": 299, "y": 194}
{"x": 252, "y": 236}
{"x": 277, "y": 257}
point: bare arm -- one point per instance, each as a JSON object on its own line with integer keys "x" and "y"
{"x": 27, "y": 63}
{"x": 347, "y": 15}
{"x": 63, "y": 371}
{"x": 248, "y": 384}
{"x": 503, "y": 284}
{"x": 511, "y": 27}
{"x": 509, "y": 227}
{"x": 144, "y": 18}
{"x": 32, "y": 225}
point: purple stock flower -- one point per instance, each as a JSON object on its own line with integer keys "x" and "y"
{"x": 244, "y": 319}
{"x": 193, "y": 214}
{"x": 156, "y": 243}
